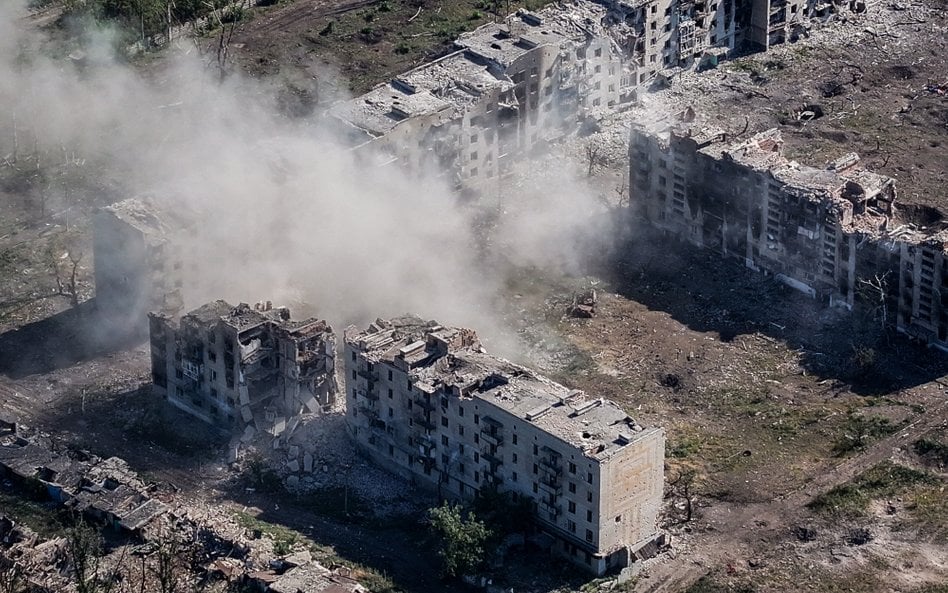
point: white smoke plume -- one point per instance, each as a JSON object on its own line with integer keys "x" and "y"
{"x": 283, "y": 212}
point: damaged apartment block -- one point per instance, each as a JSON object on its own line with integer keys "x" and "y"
{"x": 834, "y": 233}
{"x": 427, "y": 402}
{"x": 506, "y": 89}
{"x": 137, "y": 268}
{"x": 244, "y": 366}
{"x": 511, "y": 86}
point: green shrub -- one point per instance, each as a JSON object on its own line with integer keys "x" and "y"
{"x": 932, "y": 450}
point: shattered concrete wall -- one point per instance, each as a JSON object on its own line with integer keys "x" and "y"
{"x": 662, "y": 36}
{"x": 836, "y": 233}
{"x": 922, "y": 283}
{"x": 426, "y": 402}
{"x": 772, "y": 22}
{"x": 244, "y": 367}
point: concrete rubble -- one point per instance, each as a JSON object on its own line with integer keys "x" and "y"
{"x": 583, "y": 305}
{"x": 321, "y": 457}
{"x": 108, "y": 493}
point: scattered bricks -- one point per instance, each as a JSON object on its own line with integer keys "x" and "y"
{"x": 307, "y": 462}
{"x": 293, "y": 466}
{"x": 294, "y": 452}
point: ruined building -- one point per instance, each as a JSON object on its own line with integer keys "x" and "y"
{"x": 136, "y": 263}
{"x": 658, "y": 38}
{"x": 244, "y": 366}
{"x": 427, "y": 402}
{"x": 835, "y": 233}
{"x": 509, "y": 87}
{"x": 530, "y": 79}
{"x": 103, "y": 490}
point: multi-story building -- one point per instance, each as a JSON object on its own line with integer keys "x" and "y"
{"x": 509, "y": 87}
{"x": 136, "y": 264}
{"x": 513, "y": 85}
{"x": 236, "y": 366}
{"x": 835, "y": 233}
{"x": 664, "y": 36}
{"x": 427, "y": 402}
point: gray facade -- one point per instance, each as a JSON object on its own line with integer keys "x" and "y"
{"x": 239, "y": 366}
{"x": 427, "y": 402}
{"x": 837, "y": 234}
{"x": 137, "y": 267}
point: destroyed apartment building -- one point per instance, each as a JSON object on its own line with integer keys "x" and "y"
{"x": 108, "y": 493}
{"x": 427, "y": 402}
{"x": 105, "y": 490}
{"x": 251, "y": 367}
{"x": 530, "y": 79}
{"x": 835, "y": 233}
{"x": 509, "y": 87}
{"x": 137, "y": 264}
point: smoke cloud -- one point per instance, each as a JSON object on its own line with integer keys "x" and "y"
{"x": 280, "y": 210}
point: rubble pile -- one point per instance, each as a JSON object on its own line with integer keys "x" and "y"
{"x": 320, "y": 456}
{"x": 107, "y": 492}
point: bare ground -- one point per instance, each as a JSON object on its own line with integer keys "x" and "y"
{"x": 759, "y": 388}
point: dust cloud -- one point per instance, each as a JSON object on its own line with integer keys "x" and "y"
{"x": 279, "y": 210}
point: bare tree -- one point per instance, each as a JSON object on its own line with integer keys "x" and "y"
{"x": 235, "y": 15}
{"x": 624, "y": 197}
{"x": 681, "y": 490}
{"x": 85, "y": 551}
{"x": 593, "y": 156}
{"x": 874, "y": 291}
{"x": 11, "y": 579}
{"x": 169, "y": 563}
{"x": 67, "y": 275}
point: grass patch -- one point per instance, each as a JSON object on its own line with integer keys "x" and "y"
{"x": 336, "y": 503}
{"x": 884, "y": 480}
{"x": 708, "y": 584}
{"x": 860, "y": 431}
{"x": 285, "y": 539}
{"x": 931, "y": 588}
{"x": 932, "y": 449}
{"x": 401, "y": 36}
{"x": 929, "y": 506}
{"x": 686, "y": 446}
{"x": 46, "y": 518}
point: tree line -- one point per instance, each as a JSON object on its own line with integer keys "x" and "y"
{"x": 149, "y": 18}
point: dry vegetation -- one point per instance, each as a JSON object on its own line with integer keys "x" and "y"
{"x": 362, "y": 42}
{"x": 787, "y": 417}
